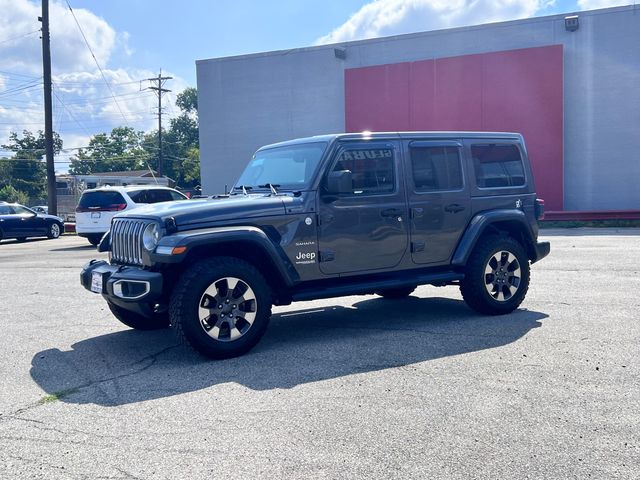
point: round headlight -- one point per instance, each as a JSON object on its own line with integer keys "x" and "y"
{"x": 151, "y": 236}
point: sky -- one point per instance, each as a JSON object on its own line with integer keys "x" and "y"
{"x": 132, "y": 40}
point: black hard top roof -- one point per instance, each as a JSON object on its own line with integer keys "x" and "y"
{"x": 398, "y": 136}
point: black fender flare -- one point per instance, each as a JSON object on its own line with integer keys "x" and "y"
{"x": 217, "y": 236}
{"x": 481, "y": 222}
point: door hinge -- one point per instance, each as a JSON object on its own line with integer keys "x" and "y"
{"x": 417, "y": 246}
{"x": 327, "y": 255}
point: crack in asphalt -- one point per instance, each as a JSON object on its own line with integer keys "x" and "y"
{"x": 152, "y": 358}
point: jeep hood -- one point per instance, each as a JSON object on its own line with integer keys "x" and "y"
{"x": 210, "y": 210}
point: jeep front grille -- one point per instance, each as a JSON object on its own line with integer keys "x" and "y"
{"x": 126, "y": 241}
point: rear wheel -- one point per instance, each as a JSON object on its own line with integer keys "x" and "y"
{"x": 497, "y": 276}
{"x": 397, "y": 293}
{"x": 137, "y": 321}
{"x": 221, "y": 307}
{"x": 94, "y": 239}
{"x": 54, "y": 231}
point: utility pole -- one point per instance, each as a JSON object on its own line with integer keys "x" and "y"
{"x": 159, "y": 83}
{"x": 48, "y": 117}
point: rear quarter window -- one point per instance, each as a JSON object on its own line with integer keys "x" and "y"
{"x": 155, "y": 196}
{"x": 497, "y": 165}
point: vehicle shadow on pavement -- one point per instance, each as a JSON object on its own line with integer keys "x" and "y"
{"x": 77, "y": 248}
{"x": 300, "y": 347}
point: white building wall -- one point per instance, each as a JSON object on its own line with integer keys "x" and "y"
{"x": 248, "y": 101}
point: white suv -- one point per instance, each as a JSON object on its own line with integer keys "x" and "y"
{"x": 98, "y": 206}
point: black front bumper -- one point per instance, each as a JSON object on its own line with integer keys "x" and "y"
{"x": 131, "y": 288}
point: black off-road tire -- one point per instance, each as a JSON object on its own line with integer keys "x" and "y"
{"x": 190, "y": 298}
{"x": 137, "y": 321}
{"x": 94, "y": 239}
{"x": 55, "y": 231}
{"x": 396, "y": 293}
{"x": 476, "y": 284}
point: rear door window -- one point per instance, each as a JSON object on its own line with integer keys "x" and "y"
{"x": 139, "y": 196}
{"x": 497, "y": 165}
{"x": 436, "y": 168}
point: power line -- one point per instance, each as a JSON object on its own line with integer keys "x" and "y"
{"x": 70, "y": 114}
{"x": 159, "y": 81}
{"x": 18, "y": 37}
{"x": 21, "y": 88}
{"x": 102, "y": 99}
{"x": 96, "y": 60}
{"x": 13, "y": 74}
{"x": 91, "y": 83}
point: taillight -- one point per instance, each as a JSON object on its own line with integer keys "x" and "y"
{"x": 539, "y": 209}
{"x": 114, "y": 207}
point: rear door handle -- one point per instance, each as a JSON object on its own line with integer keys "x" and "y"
{"x": 453, "y": 208}
{"x": 391, "y": 212}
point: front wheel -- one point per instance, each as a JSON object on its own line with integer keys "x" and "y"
{"x": 221, "y": 306}
{"x": 54, "y": 231}
{"x": 137, "y": 321}
{"x": 497, "y": 276}
{"x": 94, "y": 239}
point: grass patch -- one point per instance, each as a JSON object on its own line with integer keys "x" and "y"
{"x": 54, "y": 397}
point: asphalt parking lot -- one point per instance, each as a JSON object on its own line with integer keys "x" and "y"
{"x": 355, "y": 387}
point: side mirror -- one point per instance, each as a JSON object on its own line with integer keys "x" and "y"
{"x": 340, "y": 182}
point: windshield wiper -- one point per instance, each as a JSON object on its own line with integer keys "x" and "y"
{"x": 244, "y": 189}
{"x": 271, "y": 186}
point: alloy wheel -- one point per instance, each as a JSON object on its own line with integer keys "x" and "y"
{"x": 502, "y": 276}
{"x": 227, "y": 309}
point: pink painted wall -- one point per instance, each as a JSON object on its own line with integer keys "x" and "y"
{"x": 513, "y": 90}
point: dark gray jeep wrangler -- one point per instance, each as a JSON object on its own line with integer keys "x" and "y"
{"x": 323, "y": 217}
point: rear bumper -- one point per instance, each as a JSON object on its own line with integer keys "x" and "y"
{"x": 542, "y": 250}
{"x": 131, "y": 288}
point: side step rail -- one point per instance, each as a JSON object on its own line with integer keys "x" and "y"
{"x": 372, "y": 286}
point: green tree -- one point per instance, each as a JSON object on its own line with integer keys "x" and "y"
{"x": 180, "y": 143}
{"x": 10, "y": 194}
{"x": 25, "y": 170}
{"x": 187, "y": 101}
{"x": 120, "y": 150}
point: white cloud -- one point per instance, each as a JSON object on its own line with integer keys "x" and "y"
{"x": 392, "y": 17}
{"x": 83, "y": 105}
{"x": 68, "y": 50}
{"x": 593, "y": 4}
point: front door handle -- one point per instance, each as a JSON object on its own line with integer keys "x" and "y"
{"x": 453, "y": 208}
{"x": 391, "y": 212}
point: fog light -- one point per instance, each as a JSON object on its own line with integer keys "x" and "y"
{"x": 130, "y": 289}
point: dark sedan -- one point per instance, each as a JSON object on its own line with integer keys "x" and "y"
{"x": 20, "y": 222}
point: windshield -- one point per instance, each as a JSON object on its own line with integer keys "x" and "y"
{"x": 291, "y": 167}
